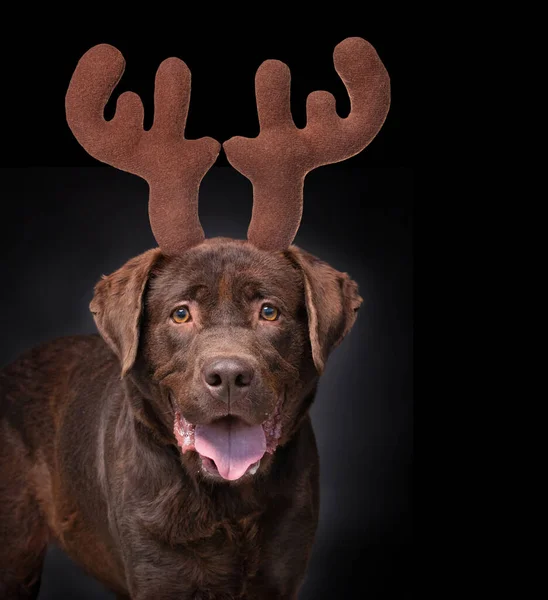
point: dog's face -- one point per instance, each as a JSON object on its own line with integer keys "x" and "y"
{"x": 226, "y": 343}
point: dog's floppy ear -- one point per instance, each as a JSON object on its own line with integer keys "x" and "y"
{"x": 117, "y": 306}
{"x": 332, "y": 303}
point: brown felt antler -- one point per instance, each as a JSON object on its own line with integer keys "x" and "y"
{"x": 172, "y": 165}
{"x": 277, "y": 161}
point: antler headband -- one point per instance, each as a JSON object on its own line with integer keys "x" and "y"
{"x": 276, "y": 161}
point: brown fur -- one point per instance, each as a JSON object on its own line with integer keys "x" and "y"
{"x": 89, "y": 459}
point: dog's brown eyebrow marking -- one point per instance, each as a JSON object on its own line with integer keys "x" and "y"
{"x": 193, "y": 292}
{"x": 255, "y": 289}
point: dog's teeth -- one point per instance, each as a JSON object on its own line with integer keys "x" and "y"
{"x": 254, "y": 468}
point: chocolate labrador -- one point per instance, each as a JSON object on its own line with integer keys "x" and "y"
{"x": 173, "y": 455}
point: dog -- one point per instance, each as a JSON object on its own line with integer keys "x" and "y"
{"x": 173, "y": 456}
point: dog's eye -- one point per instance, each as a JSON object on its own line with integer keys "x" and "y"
{"x": 269, "y": 312}
{"x": 181, "y": 314}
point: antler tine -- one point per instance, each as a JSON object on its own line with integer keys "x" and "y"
{"x": 172, "y": 165}
{"x": 278, "y": 159}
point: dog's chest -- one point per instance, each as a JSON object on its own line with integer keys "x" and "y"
{"x": 224, "y": 561}
{"x": 233, "y": 551}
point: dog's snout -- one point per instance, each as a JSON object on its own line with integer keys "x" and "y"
{"x": 228, "y": 377}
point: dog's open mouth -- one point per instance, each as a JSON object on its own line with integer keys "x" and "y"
{"x": 229, "y": 447}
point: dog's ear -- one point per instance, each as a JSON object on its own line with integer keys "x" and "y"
{"x": 332, "y": 304}
{"x": 117, "y": 306}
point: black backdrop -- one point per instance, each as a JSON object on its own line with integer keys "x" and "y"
{"x": 66, "y": 220}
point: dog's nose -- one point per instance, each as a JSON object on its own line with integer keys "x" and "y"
{"x": 228, "y": 378}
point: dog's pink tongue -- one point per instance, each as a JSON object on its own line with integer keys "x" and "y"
{"x": 232, "y": 445}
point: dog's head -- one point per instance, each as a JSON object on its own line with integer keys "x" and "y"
{"x": 226, "y": 343}
{"x": 223, "y": 340}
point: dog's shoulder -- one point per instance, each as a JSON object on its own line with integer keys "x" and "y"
{"x": 34, "y": 385}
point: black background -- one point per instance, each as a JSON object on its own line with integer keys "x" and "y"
{"x": 67, "y": 219}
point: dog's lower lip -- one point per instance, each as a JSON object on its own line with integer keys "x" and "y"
{"x": 210, "y": 468}
{"x": 184, "y": 432}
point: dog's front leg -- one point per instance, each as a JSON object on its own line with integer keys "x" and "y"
{"x": 155, "y": 589}
{"x": 196, "y": 595}
{"x": 198, "y": 571}
{"x": 163, "y": 594}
